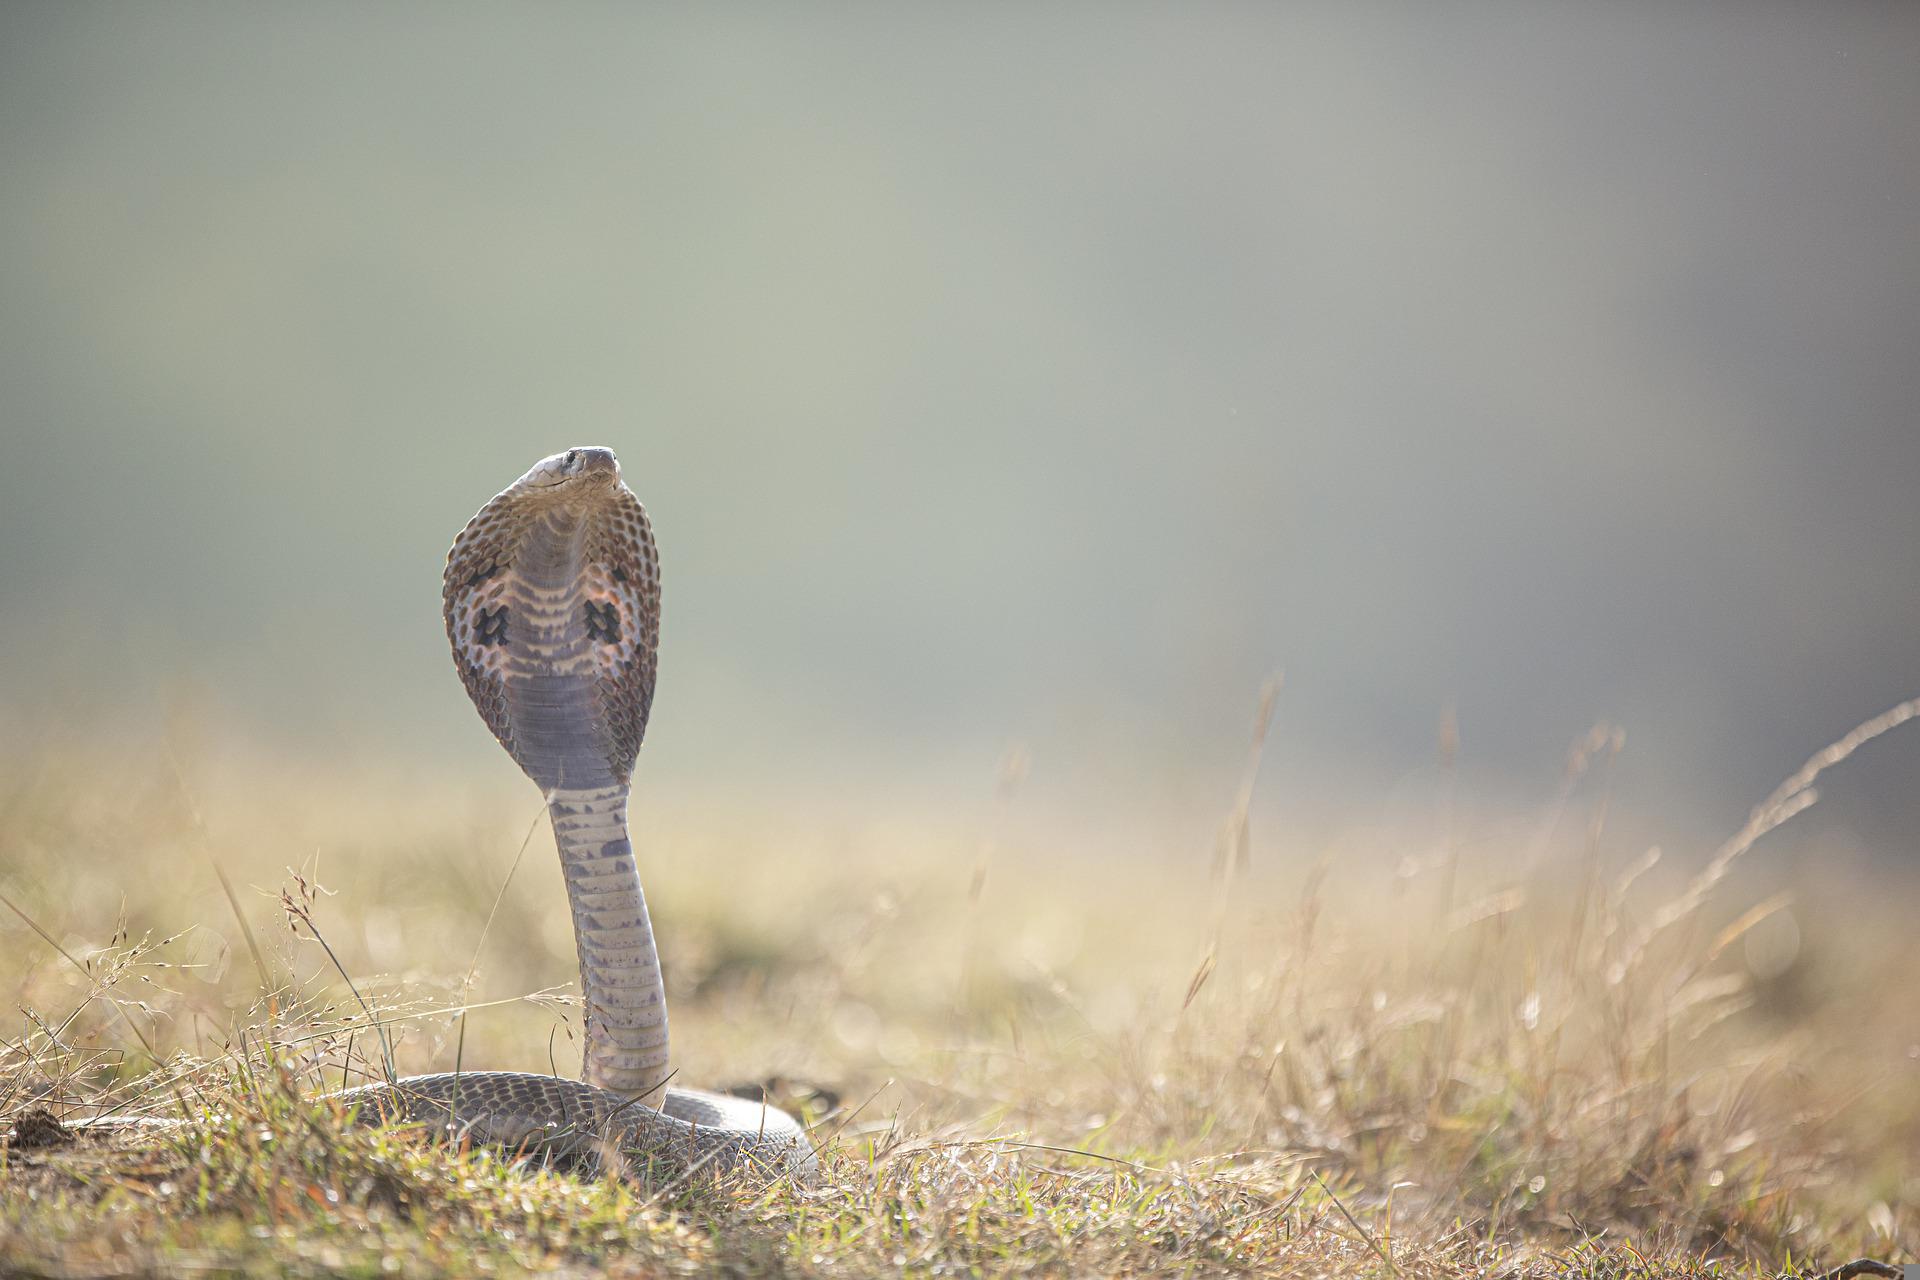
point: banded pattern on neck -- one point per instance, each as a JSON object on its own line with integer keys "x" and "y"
{"x": 552, "y": 697}
{"x": 622, "y": 994}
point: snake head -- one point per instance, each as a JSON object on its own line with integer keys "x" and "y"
{"x": 586, "y": 467}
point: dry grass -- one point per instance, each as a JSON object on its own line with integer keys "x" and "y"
{"x": 1016, "y": 1064}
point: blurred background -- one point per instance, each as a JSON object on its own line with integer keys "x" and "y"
{"x": 1013, "y": 390}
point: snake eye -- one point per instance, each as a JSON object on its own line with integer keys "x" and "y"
{"x": 571, "y": 455}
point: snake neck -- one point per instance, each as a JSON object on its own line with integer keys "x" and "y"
{"x": 624, "y": 999}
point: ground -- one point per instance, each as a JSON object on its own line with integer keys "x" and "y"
{"x": 1470, "y": 1060}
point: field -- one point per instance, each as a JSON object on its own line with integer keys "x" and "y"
{"x": 1485, "y": 1062}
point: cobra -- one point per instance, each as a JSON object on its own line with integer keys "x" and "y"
{"x": 552, "y": 602}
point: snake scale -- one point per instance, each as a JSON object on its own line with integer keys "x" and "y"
{"x": 552, "y": 605}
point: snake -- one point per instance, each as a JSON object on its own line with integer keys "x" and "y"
{"x": 551, "y": 597}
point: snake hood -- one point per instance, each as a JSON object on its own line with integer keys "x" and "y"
{"x": 552, "y": 606}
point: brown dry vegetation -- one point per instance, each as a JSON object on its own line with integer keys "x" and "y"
{"x": 1487, "y": 1063}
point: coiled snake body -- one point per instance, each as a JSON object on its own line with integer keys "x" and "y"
{"x": 552, "y": 597}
